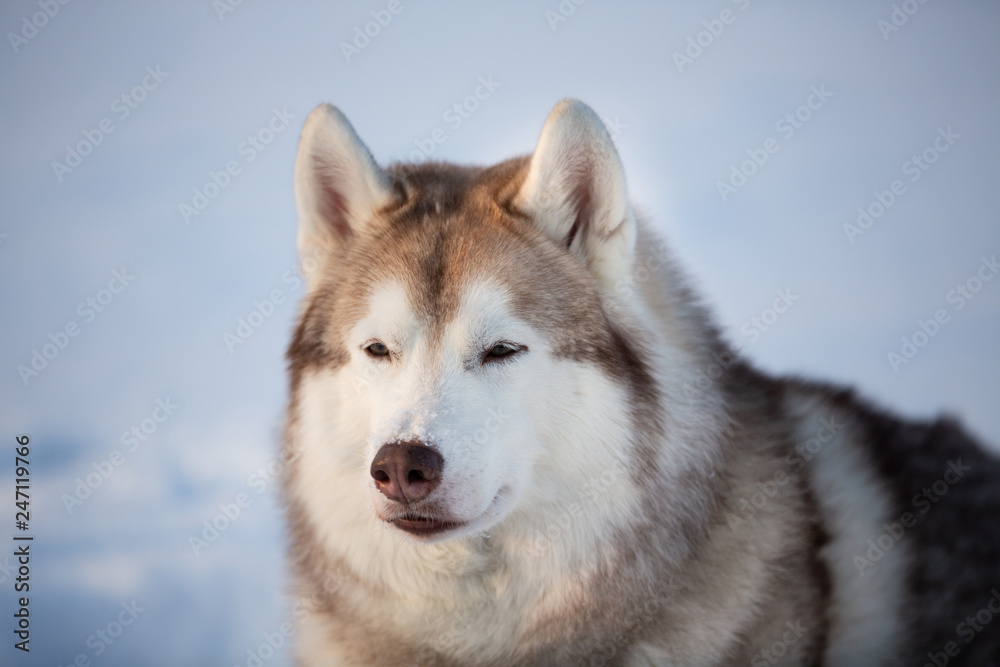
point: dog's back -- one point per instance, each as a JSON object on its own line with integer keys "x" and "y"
{"x": 943, "y": 519}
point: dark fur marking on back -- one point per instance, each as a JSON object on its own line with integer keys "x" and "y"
{"x": 956, "y": 543}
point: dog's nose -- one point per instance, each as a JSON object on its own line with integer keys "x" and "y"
{"x": 406, "y": 471}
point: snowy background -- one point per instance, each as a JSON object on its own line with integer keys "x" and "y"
{"x": 161, "y": 96}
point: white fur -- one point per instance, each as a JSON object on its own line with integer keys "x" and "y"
{"x": 561, "y": 453}
{"x": 555, "y": 427}
{"x": 854, "y": 504}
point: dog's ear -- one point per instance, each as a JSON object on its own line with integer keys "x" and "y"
{"x": 338, "y": 185}
{"x": 575, "y": 192}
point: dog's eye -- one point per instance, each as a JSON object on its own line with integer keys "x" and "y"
{"x": 501, "y": 351}
{"x": 377, "y": 349}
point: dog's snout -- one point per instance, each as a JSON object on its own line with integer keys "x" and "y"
{"x": 406, "y": 471}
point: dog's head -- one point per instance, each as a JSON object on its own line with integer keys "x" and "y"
{"x": 455, "y": 343}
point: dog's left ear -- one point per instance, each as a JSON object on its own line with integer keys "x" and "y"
{"x": 575, "y": 192}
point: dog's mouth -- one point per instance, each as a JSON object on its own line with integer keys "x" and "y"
{"x": 431, "y": 521}
{"x": 424, "y": 526}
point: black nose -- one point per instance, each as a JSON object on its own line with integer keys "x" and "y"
{"x": 406, "y": 471}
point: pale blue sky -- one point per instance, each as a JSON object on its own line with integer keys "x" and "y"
{"x": 161, "y": 337}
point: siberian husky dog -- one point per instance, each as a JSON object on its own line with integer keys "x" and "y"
{"x": 515, "y": 438}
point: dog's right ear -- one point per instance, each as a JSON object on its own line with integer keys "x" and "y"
{"x": 338, "y": 185}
